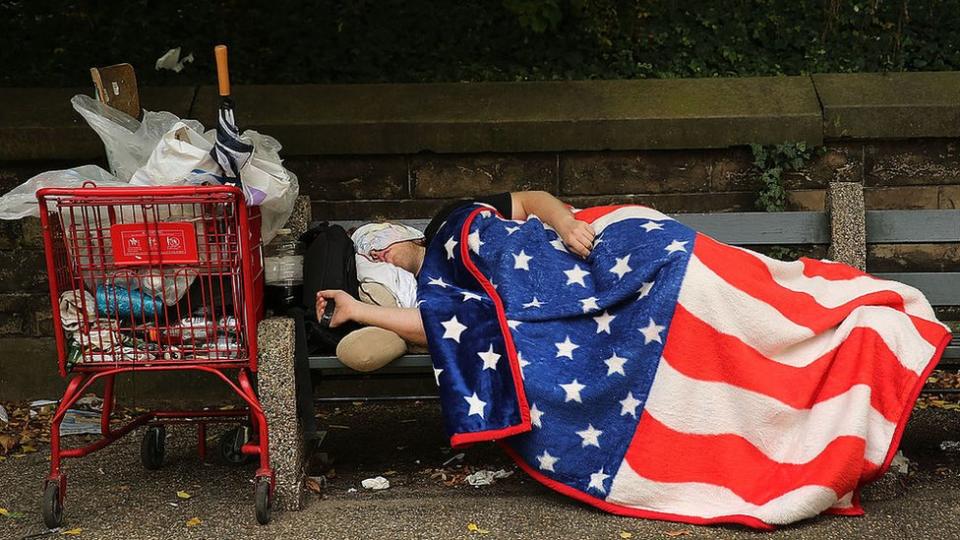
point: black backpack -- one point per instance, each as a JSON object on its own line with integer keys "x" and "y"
{"x": 328, "y": 263}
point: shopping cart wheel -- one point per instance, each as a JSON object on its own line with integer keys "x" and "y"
{"x": 152, "y": 447}
{"x": 263, "y": 500}
{"x": 52, "y": 506}
{"x": 231, "y": 444}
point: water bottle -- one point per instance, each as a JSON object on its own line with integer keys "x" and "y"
{"x": 283, "y": 271}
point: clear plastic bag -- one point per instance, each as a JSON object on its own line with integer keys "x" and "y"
{"x": 128, "y": 142}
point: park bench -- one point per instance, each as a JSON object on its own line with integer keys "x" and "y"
{"x": 845, "y": 227}
{"x": 841, "y": 232}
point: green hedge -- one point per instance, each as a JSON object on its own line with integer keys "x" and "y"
{"x": 280, "y": 41}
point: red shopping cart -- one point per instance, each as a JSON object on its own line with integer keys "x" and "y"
{"x": 155, "y": 279}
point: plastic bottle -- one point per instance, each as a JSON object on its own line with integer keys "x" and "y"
{"x": 283, "y": 271}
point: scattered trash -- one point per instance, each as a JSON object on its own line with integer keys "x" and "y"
{"x": 77, "y": 422}
{"x": 173, "y": 504}
{"x": 42, "y": 403}
{"x": 950, "y": 446}
{"x": 338, "y": 426}
{"x": 375, "y": 484}
{"x": 90, "y": 401}
{"x": 900, "y": 463}
{"x": 193, "y": 522}
{"x": 171, "y": 60}
{"x": 389, "y": 473}
{"x": 72, "y": 532}
{"x": 183, "y": 495}
{"x": 475, "y": 529}
{"x": 485, "y": 477}
{"x": 625, "y": 534}
{"x": 4, "y": 417}
{"x": 458, "y": 457}
{"x": 352, "y": 490}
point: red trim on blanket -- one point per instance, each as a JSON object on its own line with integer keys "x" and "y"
{"x": 612, "y": 508}
{"x": 458, "y": 439}
{"x": 907, "y": 411}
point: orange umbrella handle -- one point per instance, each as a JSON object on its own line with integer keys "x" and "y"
{"x": 223, "y": 73}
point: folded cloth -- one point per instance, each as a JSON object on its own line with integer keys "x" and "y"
{"x": 669, "y": 375}
{"x": 75, "y": 306}
{"x": 401, "y": 283}
{"x": 377, "y": 236}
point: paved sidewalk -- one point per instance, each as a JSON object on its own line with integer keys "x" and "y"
{"x": 111, "y": 496}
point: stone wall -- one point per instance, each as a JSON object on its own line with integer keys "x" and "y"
{"x": 903, "y": 159}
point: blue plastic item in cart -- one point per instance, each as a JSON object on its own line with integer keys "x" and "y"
{"x": 120, "y": 302}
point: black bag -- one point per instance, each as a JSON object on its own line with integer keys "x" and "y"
{"x": 328, "y": 263}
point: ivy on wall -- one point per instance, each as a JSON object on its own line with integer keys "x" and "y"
{"x": 288, "y": 41}
{"x": 771, "y": 162}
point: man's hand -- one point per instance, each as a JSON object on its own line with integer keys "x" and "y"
{"x": 345, "y": 305}
{"x": 577, "y": 235}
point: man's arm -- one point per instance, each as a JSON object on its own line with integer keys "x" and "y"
{"x": 577, "y": 235}
{"x": 405, "y": 322}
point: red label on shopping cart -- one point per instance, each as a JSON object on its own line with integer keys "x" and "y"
{"x": 154, "y": 243}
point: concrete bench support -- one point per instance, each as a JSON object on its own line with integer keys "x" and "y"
{"x": 848, "y": 233}
{"x": 276, "y": 379}
{"x": 277, "y": 387}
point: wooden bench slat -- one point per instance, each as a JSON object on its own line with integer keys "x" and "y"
{"x": 913, "y": 226}
{"x": 940, "y": 288}
{"x": 754, "y": 228}
{"x": 761, "y": 228}
{"x": 404, "y": 362}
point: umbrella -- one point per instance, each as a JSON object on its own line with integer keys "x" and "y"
{"x": 229, "y": 151}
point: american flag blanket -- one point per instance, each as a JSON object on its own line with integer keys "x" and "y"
{"x": 669, "y": 375}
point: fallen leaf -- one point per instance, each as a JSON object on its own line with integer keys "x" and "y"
{"x": 473, "y": 528}
{"x": 674, "y": 534}
{"x": 389, "y": 473}
{"x": 193, "y": 522}
{"x": 625, "y": 534}
{"x": 72, "y": 532}
{"x": 313, "y": 485}
{"x": 8, "y": 443}
{"x": 27, "y": 449}
{"x": 183, "y": 495}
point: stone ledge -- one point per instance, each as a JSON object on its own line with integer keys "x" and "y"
{"x": 525, "y": 116}
{"x": 889, "y": 105}
{"x": 456, "y": 117}
{"x": 528, "y": 116}
{"x": 40, "y": 123}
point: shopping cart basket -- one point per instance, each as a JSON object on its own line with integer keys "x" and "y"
{"x": 155, "y": 279}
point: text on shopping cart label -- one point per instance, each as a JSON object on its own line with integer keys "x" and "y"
{"x": 154, "y": 243}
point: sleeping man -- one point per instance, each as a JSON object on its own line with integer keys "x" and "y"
{"x": 635, "y": 364}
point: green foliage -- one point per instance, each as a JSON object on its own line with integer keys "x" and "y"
{"x": 771, "y": 162}
{"x": 289, "y": 41}
{"x": 536, "y": 15}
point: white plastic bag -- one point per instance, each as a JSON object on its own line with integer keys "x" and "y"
{"x": 179, "y": 154}
{"x": 21, "y": 201}
{"x": 267, "y": 183}
{"x": 127, "y": 141}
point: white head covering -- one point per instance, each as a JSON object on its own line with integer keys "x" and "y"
{"x": 376, "y": 236}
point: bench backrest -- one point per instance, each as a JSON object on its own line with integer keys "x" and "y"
{"x": 796, "y": 228}
{"x": 919, "y": 227}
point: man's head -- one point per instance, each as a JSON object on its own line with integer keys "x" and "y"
{"x": 407, "y": 255}
{"x": 392, "y": 243}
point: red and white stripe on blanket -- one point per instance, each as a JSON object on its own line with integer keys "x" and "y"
{"x": 800, "y": 418}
